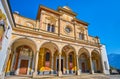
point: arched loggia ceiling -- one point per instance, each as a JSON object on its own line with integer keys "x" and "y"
{"x": 68, "y": 49}
{"x": 24, "y": 41}
{"x": 84, "y": 51}
{"x": 51, "y": 46}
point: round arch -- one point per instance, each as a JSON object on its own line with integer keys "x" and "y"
{"x": 20, "y": 38}
{"x": 46, "y": 60}
{"x": 22, "y": 52}
{"x": 68, "y": 48}
{"x": 24, "y": 41}
{"x": 83, "y": 50}
{"x": 96, "y": 60}
{"x": 95, "y": 52}
{"x": 70, "y": 53}
{"x": 84, "y": 62}
{"x": 50, "y": 45}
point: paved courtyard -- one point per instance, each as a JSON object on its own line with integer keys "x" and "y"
{"x": 83, "y": 76}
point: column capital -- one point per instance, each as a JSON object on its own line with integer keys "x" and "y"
{"x": 52, "y": 55}
{"x": 77, "y": 55}
{"x": 37, "y": 51}
{"x": 59, "y": 53}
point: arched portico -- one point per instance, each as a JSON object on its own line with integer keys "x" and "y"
{"x": 21, "y": 58}
{"x": 84, "y": 62}
{"x": 46, "y": 59}
{"x": 96, "y": 62}
{"x": 70, "y": 58}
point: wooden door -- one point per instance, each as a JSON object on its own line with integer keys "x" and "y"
{"x": 83, "y": 67}
{"x": 23, "y": 67}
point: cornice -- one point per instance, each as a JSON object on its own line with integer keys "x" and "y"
{"x": 79, "y": 21}
{"x": 23, "y": 16}
{"x": 46, "y": 9}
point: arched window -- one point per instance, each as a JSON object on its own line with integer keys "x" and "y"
{"x": 47, "y": 56}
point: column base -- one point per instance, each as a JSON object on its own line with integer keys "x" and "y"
{"x": 103, "y": 71}
{"x": 7, "y": 73}
{"x": 2, "y": 75}
{"x": 34, "y": 74}
{"x": 52, "y": 72}
{"x": 67, "y": 71}
{"x": 78, "y": 72}
{"x": 59, "y": 73}
{"x": 92, "y": 72}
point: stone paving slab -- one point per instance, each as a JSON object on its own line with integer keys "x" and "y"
{"x": 86, "y": 76}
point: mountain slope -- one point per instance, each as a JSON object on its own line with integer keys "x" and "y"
{"x": 114, "y": 60}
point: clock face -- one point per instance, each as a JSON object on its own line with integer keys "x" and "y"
{"x": 68, "y": 29}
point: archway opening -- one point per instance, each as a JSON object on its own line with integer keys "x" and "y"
{"x": 21, "y": 58}
{"x": 46, "y": 61}
{"x": 96, "y": 61}
{"x": 84, "y": 62}
{"x": 70, "y": 59}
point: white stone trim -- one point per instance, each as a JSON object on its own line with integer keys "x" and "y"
{"x": 94, "y": 64}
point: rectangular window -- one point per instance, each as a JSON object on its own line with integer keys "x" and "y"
{"x": 81, "y": 36}
{"x": 50, "y": 28}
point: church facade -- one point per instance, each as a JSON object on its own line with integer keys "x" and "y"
{"x": 55, "y": 43}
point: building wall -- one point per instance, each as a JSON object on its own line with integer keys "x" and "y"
{"x": 105, "y": 60}
{"x": 34, "y": 34}
{"x": 7, "y": 34}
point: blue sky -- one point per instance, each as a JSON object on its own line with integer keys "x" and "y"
{"x": 103, "y": 16}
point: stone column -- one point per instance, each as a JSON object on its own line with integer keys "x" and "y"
{"x": 67, "y": 70}
{"x": 59, "y": 70}
{"x": 91, "y": 65}
{"x": 77, "y": 64}
{"x": 102, "y": 63}
{"x": 52, "y": 64}
{"x": 36, "y": 64}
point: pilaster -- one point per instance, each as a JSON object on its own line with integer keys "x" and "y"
{"x": 59, "y": 71}
{"x": 36, "y": 64}
{"x": 78, "y": 70}
{"x": 52, "y": 62}
{"x": 67, "y": 70}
